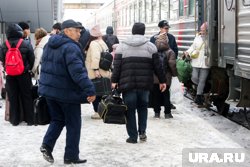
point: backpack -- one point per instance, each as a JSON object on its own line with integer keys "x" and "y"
{"x": 13, "y": 60}
{"x": 106, "y": 60}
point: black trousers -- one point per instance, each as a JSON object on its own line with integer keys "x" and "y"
{"x": 19, "y": 89}
{"x": 161, "y": 99}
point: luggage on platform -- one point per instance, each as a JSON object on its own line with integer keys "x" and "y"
{"x": 112, "y": 109}
{"x": 41, "y": 112}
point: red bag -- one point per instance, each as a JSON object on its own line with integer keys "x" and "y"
{"x": 13, "y": 60}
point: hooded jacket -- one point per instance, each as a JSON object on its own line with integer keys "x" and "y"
{"x": 63, "y": 74}
{"x": 135, "y": 63}
{"x": 110, "y": 39}
{"x": 14, "y": 33}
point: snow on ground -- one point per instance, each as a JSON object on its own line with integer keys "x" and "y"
{"x": 104, "y": 144}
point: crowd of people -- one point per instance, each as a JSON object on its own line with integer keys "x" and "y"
{"x": 142, "y": 71}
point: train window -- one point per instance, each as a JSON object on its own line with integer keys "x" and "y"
{"x": 246, "y": 2}
{"x": 191, "y": 7}
{"x": 183, "y": 8}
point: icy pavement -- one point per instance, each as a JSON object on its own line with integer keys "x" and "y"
{"x": 103, "y": 145}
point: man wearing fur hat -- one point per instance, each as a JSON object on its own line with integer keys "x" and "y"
{"x": 134, "y": 65}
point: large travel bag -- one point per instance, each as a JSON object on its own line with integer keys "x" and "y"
{"x": 112, "y": 110}
{"x": 41, "y": 112}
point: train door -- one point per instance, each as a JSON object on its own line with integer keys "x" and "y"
{"x": 227, "y": 32}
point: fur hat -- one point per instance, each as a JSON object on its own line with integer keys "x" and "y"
{"x": 138, "y": 28}
{"x": 96, "y": 31}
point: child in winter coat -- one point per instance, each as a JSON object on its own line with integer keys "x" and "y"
{"x": 168, "y": 58}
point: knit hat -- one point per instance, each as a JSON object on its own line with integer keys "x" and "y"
{"x": 204, "y": 26}
{"x": 96, "y": 31}
{"x": 138, "y": 28}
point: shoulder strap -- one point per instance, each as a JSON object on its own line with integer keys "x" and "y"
{"x": 7, "y": 44}
{"x": 201, "y": 46}
{"x": 18, "y": 43}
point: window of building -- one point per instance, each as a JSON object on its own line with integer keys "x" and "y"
{"x": 191, "y": 7}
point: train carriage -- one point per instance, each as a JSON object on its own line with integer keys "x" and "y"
{"x": 227, "y": 40}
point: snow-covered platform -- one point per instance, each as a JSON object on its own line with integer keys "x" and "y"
{"x": 103, "y": 145}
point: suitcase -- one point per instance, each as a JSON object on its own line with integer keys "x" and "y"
{"x": 41, "y": 112}
{"x": 112, "y": 110}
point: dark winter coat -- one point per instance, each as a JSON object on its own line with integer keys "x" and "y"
{"x": 14, "y": 33}
{"x": 135, "y": 63}
{"x": 172, "y": 42}
{"x": 63, "y": 74}
{"x": 109, "y": 38}
{"x": 84, "y": 38}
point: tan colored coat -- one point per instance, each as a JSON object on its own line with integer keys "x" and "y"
{"x": 93, "y": 58}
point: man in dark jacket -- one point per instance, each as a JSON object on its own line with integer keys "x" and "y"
{"x": 164, "y": 28}
{"x": 19, "y": 85}
{"x": 65, "y": 84}
{"x": 134, "y": 65}
{"x": 110, "y": 39}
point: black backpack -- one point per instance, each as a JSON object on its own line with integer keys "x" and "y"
{"x": 106, "y": 60}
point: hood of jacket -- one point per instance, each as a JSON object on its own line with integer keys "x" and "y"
{"x": 109, "y": 30}
{"x": 136, "y": 40}
{"x": 14, "y": 31}
{"x": 55, "y": 41}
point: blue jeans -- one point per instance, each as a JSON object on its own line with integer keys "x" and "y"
{"x": 136, "y": 100}
{"x": 69, "y": 115}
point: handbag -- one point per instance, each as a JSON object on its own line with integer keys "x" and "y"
{"x": 112, "y": 109}
{"x": 102, "y": 86}
{"x": 41, "y": 112}
{"x": 184, "y": 69}
{"x": 195, "y": 53}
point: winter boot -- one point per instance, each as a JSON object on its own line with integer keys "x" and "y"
{"x": 47, "y": 155}
{"x": 199, "y": 100}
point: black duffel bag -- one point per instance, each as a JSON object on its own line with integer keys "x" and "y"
{"x": 41, "y": 112}
{"x": 112, "y": 109}
{"x": 102, "y": 86}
